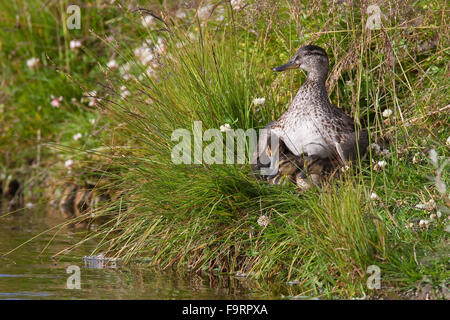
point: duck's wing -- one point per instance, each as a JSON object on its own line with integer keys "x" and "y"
{"x": 354, "y": 145}
{"x": 350, "y": 140}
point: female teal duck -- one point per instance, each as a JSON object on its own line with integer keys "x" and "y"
{"x": 314, "y": 135}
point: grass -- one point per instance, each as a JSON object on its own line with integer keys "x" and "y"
{"x": 205, "y": 217}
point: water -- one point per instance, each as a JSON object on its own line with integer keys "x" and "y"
{"x": 29, "y": 272}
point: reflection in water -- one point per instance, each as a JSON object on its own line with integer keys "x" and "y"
{"x": 29, "y": 272}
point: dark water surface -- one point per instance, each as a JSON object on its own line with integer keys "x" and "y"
{"x": 29, "y": 272}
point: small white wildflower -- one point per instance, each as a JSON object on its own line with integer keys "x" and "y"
{"x": 382, "y": 164}
{"x": 226, "y": 127}
{"x": 29, "y": 205}
{"x": 387, "y": 113}
{"x": 424, "y": 223}
{"x": 374, "y": 196}
{"x": 91, "y": 98}
{"x": 432, "y": 217}
{"x": 92, "y": 121}
{"x": 124, "y": 92}
{"x": 345, "y": 168}
{"x": 125, "y": 68}
{"x": 259, "y": 101}
{"x": 204, "y": 12}
{"x": 75, "y": 45}
{"x": 125, "y": 71}
{"x": 112, "y": 64}
{"x": 33, "y": 63}
{"x": 448, "y": 141}
{"x": 410, "y": 225}
{"x": 161, "y": 46}
{"x": 431, "y": 205}
{"x": 148, "y": 21}
{"x": 376, "y": 148}
{"x": 236, "y": 4}
{"x": 144, "y": 54}
{"x": 263, "y": 221}
{"x": 56, "y": 101}
{"x": 77, "y": 136}
{"x": 439, "y": 214}
{"x": 68, "y": 164}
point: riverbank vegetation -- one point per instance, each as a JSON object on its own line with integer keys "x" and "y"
{"x": 96, "y": 107}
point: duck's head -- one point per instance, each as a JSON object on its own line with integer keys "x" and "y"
{"x": 313, "y": 59}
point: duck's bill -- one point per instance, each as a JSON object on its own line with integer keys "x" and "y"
{"x": 286, "y": 66}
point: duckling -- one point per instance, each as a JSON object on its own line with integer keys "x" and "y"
{"x": 313, "y": 131}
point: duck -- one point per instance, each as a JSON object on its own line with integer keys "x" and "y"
{"x": 313, "y": 137}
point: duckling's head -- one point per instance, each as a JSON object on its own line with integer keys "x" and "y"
{"x": 313, "y": 59}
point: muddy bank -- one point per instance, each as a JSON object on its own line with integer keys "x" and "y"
{"x": 61, "y": 198}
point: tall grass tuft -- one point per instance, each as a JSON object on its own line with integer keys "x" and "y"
{"x": 218, "y": 218}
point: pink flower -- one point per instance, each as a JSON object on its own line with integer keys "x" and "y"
{"x": 56, "y": 101}
{"x": 236, "y": 4}
{"x": 148, "y": 21}
{"x": 112, "y": 64}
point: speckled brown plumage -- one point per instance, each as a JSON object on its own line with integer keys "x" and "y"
{"x": 312, "y": 128}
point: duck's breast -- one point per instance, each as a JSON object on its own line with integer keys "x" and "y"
{"x": 304, "y": 137}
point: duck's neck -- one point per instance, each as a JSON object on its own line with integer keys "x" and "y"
{"x": 317, "y": 76}
{"x": 312, "y": 93}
